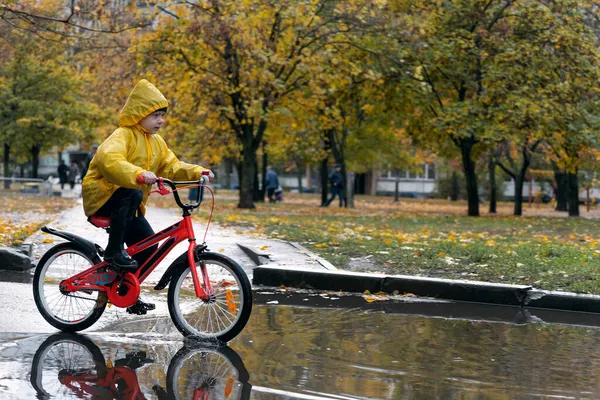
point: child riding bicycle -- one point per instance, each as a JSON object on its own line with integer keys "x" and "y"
{"x": 110, "y": 187}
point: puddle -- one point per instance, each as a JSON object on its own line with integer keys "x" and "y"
{"x": 325, "y": 346}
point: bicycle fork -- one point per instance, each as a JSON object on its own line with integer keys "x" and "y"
{"x": 194, "y": 252}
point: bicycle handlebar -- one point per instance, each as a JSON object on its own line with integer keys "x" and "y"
{"x": 173, "y": 185}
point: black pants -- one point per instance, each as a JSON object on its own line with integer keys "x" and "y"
{"x": 138, "y": 227}
{"x": 339, "y": 191}
{"x": 270, "y": 193}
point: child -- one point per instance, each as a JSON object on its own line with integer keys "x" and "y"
{"x": 110, "y": 185}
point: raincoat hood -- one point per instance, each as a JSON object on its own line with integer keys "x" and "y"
{"x": 143, "y": 100}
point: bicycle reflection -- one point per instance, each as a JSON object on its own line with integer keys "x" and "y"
{"x": 69, "y": 365}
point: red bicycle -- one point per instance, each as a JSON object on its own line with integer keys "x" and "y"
{"x": 209, "y": 294}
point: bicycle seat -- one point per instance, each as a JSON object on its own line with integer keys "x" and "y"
{"x": 100, "y": 222}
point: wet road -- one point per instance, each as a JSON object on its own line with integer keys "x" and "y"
{"x": 321, "y": 347}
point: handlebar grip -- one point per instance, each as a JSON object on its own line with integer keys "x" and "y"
{"x": 139, "y": 179}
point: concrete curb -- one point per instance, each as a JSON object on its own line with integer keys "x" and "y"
{"x": 301, "y": 249}
{"x": 257, "y": 256}
{"x": 12, "y": 259}
{"x": 448, "y": 289}
{"x": 562, "y": 301}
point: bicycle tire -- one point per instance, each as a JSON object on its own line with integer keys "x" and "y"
{"x": 41, "y": 376}
{"x": 225, "y": 317}
{"x": 86, "y": 313}
{"x": 209, "y": 366}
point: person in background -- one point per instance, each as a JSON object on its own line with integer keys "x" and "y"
{"x": 337, "y": 186}
{"x": 63, "y": 173}
{"x": 272, "y": 183}
{"x": 73, "y": 174}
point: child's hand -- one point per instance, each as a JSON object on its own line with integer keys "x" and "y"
{"x": 211, "y": 176}
{"x": 149, "y": 177}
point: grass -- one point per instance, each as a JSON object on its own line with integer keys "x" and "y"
{"x": 22, "y": 215}
{"x": 433, "y": 238}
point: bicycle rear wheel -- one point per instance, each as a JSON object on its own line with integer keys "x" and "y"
{"x": 70, "y": 312}
{"x": 222, "y": 317}
{"x": 64, "y": 353}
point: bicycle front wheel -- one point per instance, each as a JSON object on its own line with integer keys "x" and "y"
{"x": 208, "y": 372}
{"x": 69, "y": 312}
{"x": 225, "y": 314}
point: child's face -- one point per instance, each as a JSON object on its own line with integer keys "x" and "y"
{"x": 153, "y": 122}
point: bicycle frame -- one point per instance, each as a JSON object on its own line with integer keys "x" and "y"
{"x": 84, "y": 383}
{"x": 93, "y": 279}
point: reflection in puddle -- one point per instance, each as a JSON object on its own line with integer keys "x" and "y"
{"x": 317, "y": 348}
{"x": 357, "y": 353}
{"x": 73, "y": 366}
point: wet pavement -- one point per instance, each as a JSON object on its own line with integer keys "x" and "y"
{"x": 321, "y": 346}
{"x": 298, "y": 345}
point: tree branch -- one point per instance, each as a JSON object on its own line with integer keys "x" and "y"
{"x": 506, "y": 170}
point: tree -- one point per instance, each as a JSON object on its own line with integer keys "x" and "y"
{"x": 517, "y": 170}
{"x": 242, "y": 59}
{"x": 454, "y": 63}
{"x": 27, "y": 85}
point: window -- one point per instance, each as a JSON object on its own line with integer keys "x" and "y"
{"x": 431, "y": 171}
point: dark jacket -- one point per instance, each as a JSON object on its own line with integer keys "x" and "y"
{"x": 336, "y": 179}
{"x": 63, "y": 171}
{"x": 272, "y": 181}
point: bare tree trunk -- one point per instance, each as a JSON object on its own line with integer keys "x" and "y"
{"x": 6, "y": 164}
{"x": 228, "y": 171}
{"x": 518, "y": 207}
{"x": 349, "y": 195}
{"x": 256, "y": 185}
{"x": 300, "y": 175}
{"x": 325, "y": 168}
{"x": 466, "y": 147}
{"x": 561, "y": 190}
{"x": 493, "y": 186}
{"x": 265, "y": 162}
{"x": 519, "y": 180}
{"x": 573, "y": 194}
{"x": 247, "y": 174}
{"x": 35, "y": 161}
{"x": 324, "y": 179}
{"x": 345, "y": 184}
{"x": 454, "y": 187}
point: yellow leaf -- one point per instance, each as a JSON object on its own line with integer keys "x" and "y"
{"x": 48, "y": 240}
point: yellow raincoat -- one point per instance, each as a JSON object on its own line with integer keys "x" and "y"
{"x": 130, "y": 151}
